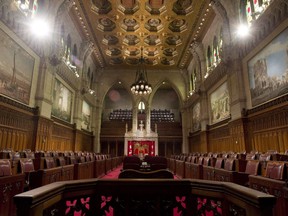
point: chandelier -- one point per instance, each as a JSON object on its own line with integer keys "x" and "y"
{"x": 141, "y": 85}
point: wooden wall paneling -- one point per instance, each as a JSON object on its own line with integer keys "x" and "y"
{"x": 204, "y": 141}
{"x": 219, "y": 139}
{"x": 16, "y": 121}
{"x": 62, "y": 138}
{"x": 195, "y": 142}
{"x": 237, "y": 131}
{"x": 283, "y": 140}
{"x": 266, "y": 123}
{"x": 44, "y": 133}
{"x": 83, "y": 141}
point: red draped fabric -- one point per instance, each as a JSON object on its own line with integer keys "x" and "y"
{"x": 143, "y": 147}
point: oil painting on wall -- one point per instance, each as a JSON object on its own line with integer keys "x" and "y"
{"x": 268, "y": 70}
{"x": 196, "y": 117}
{"x": 62, "y": 102}
{"x": 16, "y": 69}
{"x": 219, "y": 102}
{"x": 86, "y": 115}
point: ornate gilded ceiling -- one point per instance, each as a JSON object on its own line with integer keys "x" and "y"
{"x": 164, "y": 29}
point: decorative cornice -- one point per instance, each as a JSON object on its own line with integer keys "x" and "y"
{"x": 224, "y": 122}
{"x": 8, "y": 101}
{"x": 217, "y": 74}
{"x": 277, "y": 102}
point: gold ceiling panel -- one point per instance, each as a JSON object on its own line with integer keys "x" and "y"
{"x": 163, "y": 29}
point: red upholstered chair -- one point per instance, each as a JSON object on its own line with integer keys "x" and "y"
{"x": 49, "y": 163}
{"x": 10, "y": 185}
{"x": 131, "y": 162}
{"x": 229, "y": 164}
{"x": 200, "y": 160}
{"x": 26, "y": 167}
{"x": 208, "y": 169}
{"x": 60, "y": 161}
{"x": 5, "y": 168}
{"x": 252, "y": 167}
{"x": 275, "y": 170}
{"x": 226, "y": 174}
{"x": 73, "y": 160}
{"x": 219, "y": 163}
{"x": 250, "y": 156}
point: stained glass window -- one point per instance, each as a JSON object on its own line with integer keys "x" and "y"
{"x": 215, "y": 51}
{"x": 67, "y": 54}
{"x": 252, "y": 9}
{"x": 209, "y": 57}
{"x": 221, "y": 44}
{"x": 28, "y": 7}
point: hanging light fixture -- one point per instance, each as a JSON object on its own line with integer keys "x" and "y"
{"x": 141, "y": 85}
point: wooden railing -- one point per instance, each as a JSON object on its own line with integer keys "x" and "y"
{"x": 143, "y": 197}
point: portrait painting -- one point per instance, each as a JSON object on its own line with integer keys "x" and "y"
{"x": 268, "y": 70}
{"x": 62, "y": 101}
{"x": 16, "y": 69}
{"x": 220, "y": 103}
{"x": 196, "y": 117}
{"x": 86, "y": 116}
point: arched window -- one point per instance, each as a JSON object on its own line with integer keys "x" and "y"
{"x": 28, "y": 7}
{"x": 220, "y": 44}
{"x": 194, "y": 78}
{"x": 215, "y": 51}
{"x": 191, "y": 83}
{"x": 141, "y": 106}
{"x": 89, "y": 78}
{"x": 74, "y": 55}
{"x": 209, "y": 57}
{"x": 252, "y": 9}
{"x": 67, "y": 53}
{"x": 34, "y": 8}
{"x": 62, "y": 35}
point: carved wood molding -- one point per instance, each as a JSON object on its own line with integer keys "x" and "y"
{"x": 12, "y": 104}
{"x": 278, "y": 102}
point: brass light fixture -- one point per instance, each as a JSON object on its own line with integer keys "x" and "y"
{"x": 141, "y": 85}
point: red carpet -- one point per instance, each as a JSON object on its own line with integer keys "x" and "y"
{"x": 115, "y": 173}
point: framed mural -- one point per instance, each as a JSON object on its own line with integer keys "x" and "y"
{"x": 268, "y": 70}
{"x": 86, "y": 116}
{"x": 62, "y": 101}
{"x": 16, "y": 69}
{"x": 196, "y": 117}
{"x": 220, "y": 103}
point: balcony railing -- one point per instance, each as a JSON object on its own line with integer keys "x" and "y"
{"x": 143, "y": 197}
